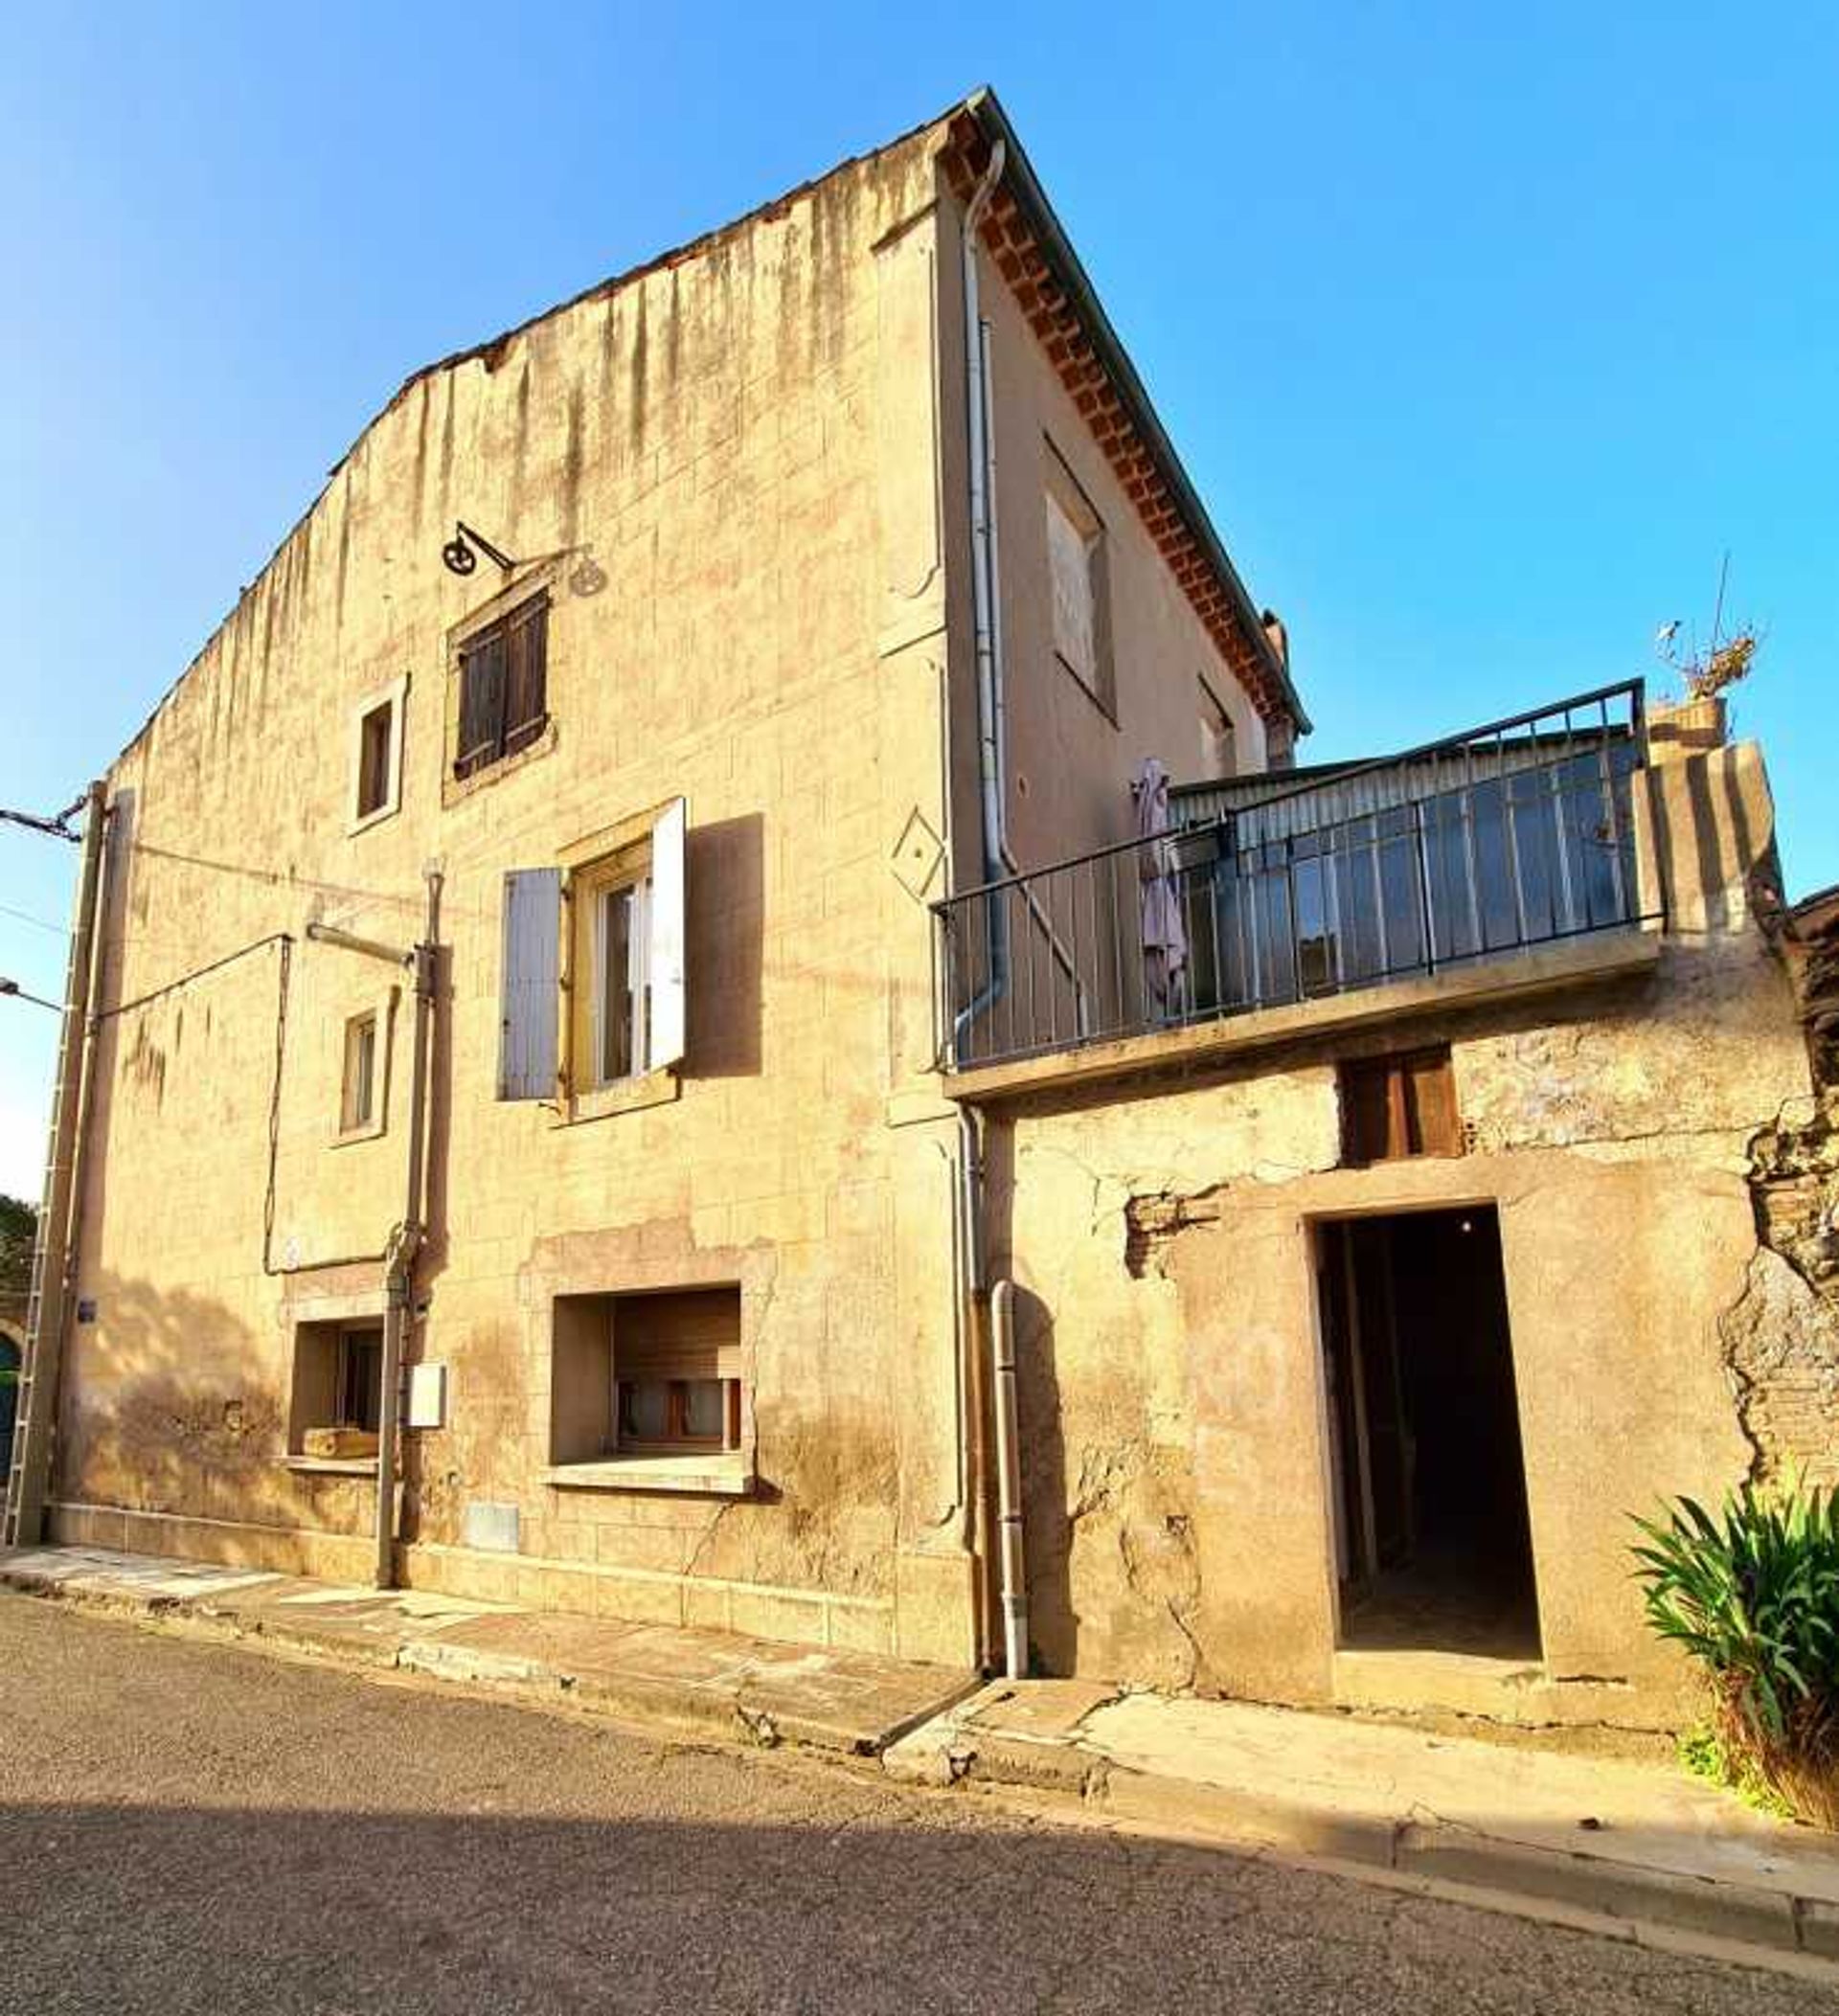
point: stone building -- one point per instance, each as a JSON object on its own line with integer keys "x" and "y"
{"x": 734, "y": 682}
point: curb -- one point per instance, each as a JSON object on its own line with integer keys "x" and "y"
{"x": 754, "y": 1715}
{"x": 1747, "y": 1924}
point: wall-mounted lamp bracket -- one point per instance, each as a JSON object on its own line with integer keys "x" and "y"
{"x": 457, "y": 555}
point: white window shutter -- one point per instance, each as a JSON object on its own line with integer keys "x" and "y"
{"x": 667, "y": 936}
{"x": 528, "y": 1003}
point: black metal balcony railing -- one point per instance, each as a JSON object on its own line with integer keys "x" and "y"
{"x": 1288, "y": 888}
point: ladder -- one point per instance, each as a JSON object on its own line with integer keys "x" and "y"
{"x": 29, "y": 1466}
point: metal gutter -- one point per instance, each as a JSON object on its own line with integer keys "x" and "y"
{"x": 984, "y": 106}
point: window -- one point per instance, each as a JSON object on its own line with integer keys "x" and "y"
{"x": 647, "y": 1376}
{"x": 1075, "y": 563}
{"x": 337, "y": 1389}
{"x": 1399, "y": 1105}
{"x": 374, "y": 733}
{"x": 1219, "y": 738}
{"x": 594, "y": 997}
{"x": 614, "y": 920}
{"x": 503, "y": 687}
{"x": 358, "y": 1101}
{"x": 376, "y": 756}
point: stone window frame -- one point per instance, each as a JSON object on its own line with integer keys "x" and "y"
{"x": 537, "y": 578}
{"x": 381, "y": 1007}
{"x": 726, "y": 1474}
{"x": 396, "y": 697}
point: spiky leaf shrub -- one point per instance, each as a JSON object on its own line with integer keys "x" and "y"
{"x": 1752, "y": 1597}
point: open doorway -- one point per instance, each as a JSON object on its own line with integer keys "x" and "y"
{"x": 1431, "y": 1546}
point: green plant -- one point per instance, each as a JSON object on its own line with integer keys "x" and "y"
{"x": 1752, "y": 1597}
{"x": 1706, "y": 1755}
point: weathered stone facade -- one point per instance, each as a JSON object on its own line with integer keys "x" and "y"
{"x": 740, "y": 475}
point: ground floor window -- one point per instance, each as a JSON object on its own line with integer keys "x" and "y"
{"x": 648, "y": 1374}
{"x": 337, "y": 1390}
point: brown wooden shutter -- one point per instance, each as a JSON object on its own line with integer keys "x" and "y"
{"x": 482, "y": 703}
{"x": 527, "y": 673}
{"x": 1399, "y": 1105}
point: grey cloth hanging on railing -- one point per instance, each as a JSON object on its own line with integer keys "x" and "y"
{"x": 1164, "y": 937}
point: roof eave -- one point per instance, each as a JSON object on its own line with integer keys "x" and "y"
{"x": 984, "y": 105}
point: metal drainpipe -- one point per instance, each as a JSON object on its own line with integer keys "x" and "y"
{"x": 990, "y": 735}
{"x": 405, "y": 1244}
{"x": 998, "y": 861}
{"x": 1009, "y": 1482}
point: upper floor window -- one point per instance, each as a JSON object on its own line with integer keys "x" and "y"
{"x": 504, "y": 697}
{"x": 358, "y": 1102}
{"x": 1219, "y": 738}
{"x": 376, "y": 756}
{"x": 1076, "y": 561}
{"x": 593, "y": 996}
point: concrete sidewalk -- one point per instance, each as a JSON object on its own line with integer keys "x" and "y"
{"x": 1639, "y": 1846}
{"x": 738, "y": 1686}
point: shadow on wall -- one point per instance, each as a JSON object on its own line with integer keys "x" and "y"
{"x": 726, "y": 866}
{"x": 175, "y": 1407}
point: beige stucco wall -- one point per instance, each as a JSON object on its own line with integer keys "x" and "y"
{"x": 1069, "y": 764}
{"x": 1172, "y": 1391}
{"x": 732, "y": 463}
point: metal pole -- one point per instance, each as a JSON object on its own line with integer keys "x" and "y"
{"x": 404, "y": 1245}
{"x": 52, "y": 1262}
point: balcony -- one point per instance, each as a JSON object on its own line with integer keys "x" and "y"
{"x": 1280, "y": 889}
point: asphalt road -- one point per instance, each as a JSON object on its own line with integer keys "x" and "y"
{"x": 187, "y": 1827}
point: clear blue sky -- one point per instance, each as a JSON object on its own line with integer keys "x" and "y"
{"x": 1482, "y": 336}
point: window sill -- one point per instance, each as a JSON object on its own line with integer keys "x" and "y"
{"x": 363, "y": 822}
{"x": 330, "y": 1465}
{"x": 656, "y": 1088}
{"x": 725, "y": 1476}
{"x": 453, "y": 789}
{"x": 354, "y": 1135}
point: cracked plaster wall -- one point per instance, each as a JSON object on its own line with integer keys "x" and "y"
{"x": 1172, "y": 1401}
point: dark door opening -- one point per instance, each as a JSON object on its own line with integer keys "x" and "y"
{"x": 1432, "y": 1545}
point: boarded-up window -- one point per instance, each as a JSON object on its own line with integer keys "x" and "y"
{"x": 504, "y": 687}
{"x": 529, "y": 995}
{"x": 1076, "y": 562}
{"x": 1399, "y": 1105}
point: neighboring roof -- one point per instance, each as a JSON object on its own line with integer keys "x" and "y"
{"x": 1035, "y": 254}
{"x": 1121, "y": 415}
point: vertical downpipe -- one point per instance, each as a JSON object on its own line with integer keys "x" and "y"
{"x": 1009, "y": 1483}
{"x": 405, "y": 1244}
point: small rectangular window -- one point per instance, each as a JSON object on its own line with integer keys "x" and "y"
{"x": 1219, "y": 738}
{"x": 336, "y": 1401}
{"x": 374, "y": 734}
{"x": 376, "y": 756}
{"x": 1398, "y": 1106}
{"x": 1077, "y": 577}
{"x": 357, "y": 1105}
{"x": 504, "y": 687}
